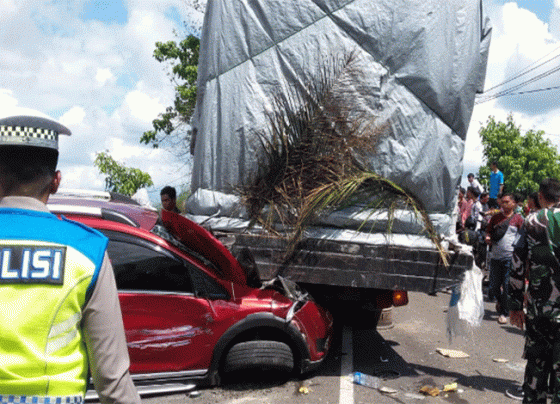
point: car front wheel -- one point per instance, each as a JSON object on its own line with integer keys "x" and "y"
{"x": 262, "y": 355}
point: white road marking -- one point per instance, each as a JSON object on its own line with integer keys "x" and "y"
{"x": 346, "y": 368}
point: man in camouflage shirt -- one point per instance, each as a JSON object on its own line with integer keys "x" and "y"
{"x": 535, "y": 259}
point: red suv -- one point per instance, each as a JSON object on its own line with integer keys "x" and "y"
{"x": 188, "y": 309}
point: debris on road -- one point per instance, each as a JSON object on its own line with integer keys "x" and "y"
{"x": 451, "y": 353}
{"x": 415, "y": 396}
{"x": 430, "y": 391}
{"x": 516, "y": 366}
{"x": 387, "y": 390}
{"x": 302, "y": 389}
{"x": 450, "y": 387}
{"x": 500, "y": 360}
{"x": 372, "y": 382}
{"x": 433, "y": 391}
{"x": 366, "y": 380}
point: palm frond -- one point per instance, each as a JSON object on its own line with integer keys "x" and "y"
{"x": 311, "y": 163}
{"x": 369, "y": 190}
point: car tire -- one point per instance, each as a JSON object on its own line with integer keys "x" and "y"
{"x": 262, "y": 355}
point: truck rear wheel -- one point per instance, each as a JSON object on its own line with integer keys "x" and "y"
{"x": 262, "y": 355}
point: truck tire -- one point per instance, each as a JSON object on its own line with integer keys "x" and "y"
{"x": 262, "y": 355}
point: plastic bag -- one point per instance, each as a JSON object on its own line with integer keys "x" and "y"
{"x": 471, "y": 302}
{"x": 466, "y": 306}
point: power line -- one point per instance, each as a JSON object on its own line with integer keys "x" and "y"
{"x": 486, "y": 96}
{"x": 527, "y": 69}
{"x": 525, "y": 83}
{"x": 511, "y": 90}
{"x": 529, "y": 91}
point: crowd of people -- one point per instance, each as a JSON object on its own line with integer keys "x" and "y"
{"x": 517, "y": 239}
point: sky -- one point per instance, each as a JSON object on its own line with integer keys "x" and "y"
{"x": 89, "y": 64}
{"x": 524, "y": 35}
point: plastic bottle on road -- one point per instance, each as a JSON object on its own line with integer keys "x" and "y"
{"x": 366, "y": 380}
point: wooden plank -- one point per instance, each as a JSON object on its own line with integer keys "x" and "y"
{"x": 355, "y": 265}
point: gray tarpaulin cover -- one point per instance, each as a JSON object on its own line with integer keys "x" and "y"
{"x": 420, "y": 64}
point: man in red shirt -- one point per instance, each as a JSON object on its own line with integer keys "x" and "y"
{"x": 501, "y": 233}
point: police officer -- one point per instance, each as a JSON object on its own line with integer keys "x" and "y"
{"x": 60, "y": 315}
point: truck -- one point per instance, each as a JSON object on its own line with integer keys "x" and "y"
{"x": 406, "y": 71}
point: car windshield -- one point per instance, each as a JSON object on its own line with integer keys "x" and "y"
{"x": 162, "y": 232}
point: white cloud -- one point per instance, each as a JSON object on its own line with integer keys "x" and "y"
{"x": 122, "y": 152}
{"x": 143, "y": 107}
{"x": 100, "y": 80}
{"x": 103, "y": 75}
{"x": 54, "y": 72}
{"x": 555, "y": 21}
{"x": 9, "y": 106}
{"x": 82, "y": 177}
{"x": 7, "y": 100}
{"x": 74, "y": 116}
{"x": 75, "y": 67}
{"x": 8, "y": 6}
{"x": 519, "y": 39}
{"x": 523, "y": 29}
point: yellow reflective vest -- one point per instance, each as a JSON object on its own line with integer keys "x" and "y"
{"x": 48, "y": 269}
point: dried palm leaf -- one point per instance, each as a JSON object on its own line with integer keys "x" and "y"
{"x": 311, "y": 161}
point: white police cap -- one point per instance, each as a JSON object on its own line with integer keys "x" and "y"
{"x": 27, "y": 130}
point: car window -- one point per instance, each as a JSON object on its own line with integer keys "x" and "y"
{"x": 206, "y": 286}
{"x": 141, "y": 268}
{"x": 162, "y": 232}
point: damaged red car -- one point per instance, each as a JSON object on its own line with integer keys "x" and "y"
{"x": 190, "y": 310}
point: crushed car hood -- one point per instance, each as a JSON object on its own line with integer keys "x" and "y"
{"x": 204, "y": 243}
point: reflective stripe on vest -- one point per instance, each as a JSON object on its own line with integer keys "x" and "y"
{"x": 47, "y": 270}
{"x": 40, "y": 400}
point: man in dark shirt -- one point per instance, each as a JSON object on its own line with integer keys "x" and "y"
{"x": 169, "y": 199}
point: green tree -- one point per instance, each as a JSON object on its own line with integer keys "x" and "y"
{"x": 182, "y": 57}
{"x": 121, "y": 179}
{"x": 183, "y": 195}
{"x": 525, "y": 160}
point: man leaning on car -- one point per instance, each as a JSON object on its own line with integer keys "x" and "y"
{"x": 60, "y": 314}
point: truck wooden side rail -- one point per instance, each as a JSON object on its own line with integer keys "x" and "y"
{"x": 354, "y": 265}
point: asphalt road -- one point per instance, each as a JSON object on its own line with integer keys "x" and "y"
{"x": 404, "y": 357}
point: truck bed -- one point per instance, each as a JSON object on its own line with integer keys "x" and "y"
{"x": 356, "y": 265}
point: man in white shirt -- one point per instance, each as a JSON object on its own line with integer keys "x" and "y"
{"x": 473, "y": 182}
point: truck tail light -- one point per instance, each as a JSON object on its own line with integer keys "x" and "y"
{"x": 400, "y": 298}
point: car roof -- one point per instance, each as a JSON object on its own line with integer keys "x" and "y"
{"x": 105, "y": 205}
{"x": 93, "y": 208}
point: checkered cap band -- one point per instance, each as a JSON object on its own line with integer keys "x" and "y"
{"x": 23, "y": 135}
{"x": 8, "y": 398}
